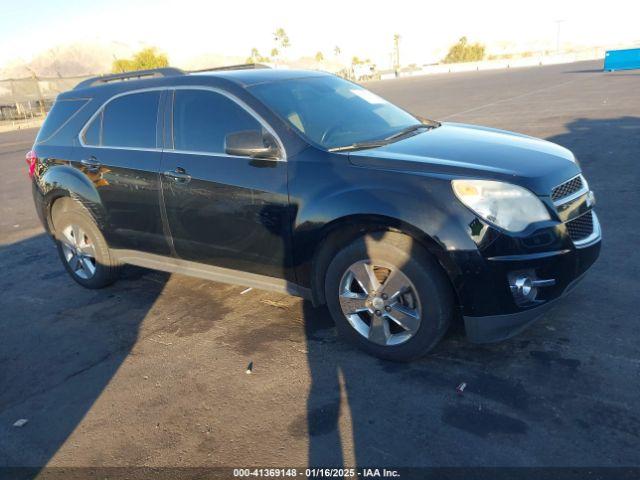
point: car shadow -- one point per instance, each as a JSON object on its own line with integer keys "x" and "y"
{"x": 363, "y": 411}
{"x": 61, "y": 346}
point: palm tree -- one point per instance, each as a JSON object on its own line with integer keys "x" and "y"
{"x": 274, "y": 56}
{"x": 396, "y": 51}
{"x": 255, "y": 56}
{"x": 281, "y": 38}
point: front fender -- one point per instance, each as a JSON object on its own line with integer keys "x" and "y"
{"x": 419, "y": 203}
{"x": 421, "y": 206}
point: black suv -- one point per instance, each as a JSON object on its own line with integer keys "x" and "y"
{"x": 305, "y": 183}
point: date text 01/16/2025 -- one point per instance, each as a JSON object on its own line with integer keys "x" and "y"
{"x": 316, "y": 472}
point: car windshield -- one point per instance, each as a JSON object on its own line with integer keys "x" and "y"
{"x": 332, "y": 112}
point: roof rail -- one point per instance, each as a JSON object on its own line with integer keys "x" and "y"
{"x": 242, "y": 66}
{"x": 156, "y": 72}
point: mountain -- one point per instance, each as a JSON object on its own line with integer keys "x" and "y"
{"x": 71, "y": 60}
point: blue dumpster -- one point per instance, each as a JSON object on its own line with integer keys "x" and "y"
{"x": 627, "y": 59}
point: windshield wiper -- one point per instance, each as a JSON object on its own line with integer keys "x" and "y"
{"x": 359, "y": 146}
{"x": 380, "y": 143}
{"x": 408, "y": 130}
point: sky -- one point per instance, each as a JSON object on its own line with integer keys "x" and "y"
{"x": 185, "y": 29}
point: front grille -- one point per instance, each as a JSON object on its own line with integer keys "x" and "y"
{"x": 567, "y": 188}
{"x": 581, "y": 227}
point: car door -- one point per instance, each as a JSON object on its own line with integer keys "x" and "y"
{"x": 223, "y": 210}
{"x": 120, "y": 153}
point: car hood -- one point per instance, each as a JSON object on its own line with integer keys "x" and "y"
{"x": 472, "y": 151}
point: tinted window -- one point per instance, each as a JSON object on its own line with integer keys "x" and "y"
{"x": 130, "y": 121}
{"x": 202, "y": 119}
{"x": 333, "y": 112}
{"x": 60, "y": 113}
{"x": 92, "y": 133}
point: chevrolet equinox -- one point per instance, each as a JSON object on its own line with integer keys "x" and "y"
{"x": 305, "y": 183}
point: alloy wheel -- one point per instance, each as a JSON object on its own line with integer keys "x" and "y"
{"x": 380, "y": 302}
{"x": 79, "y": 251}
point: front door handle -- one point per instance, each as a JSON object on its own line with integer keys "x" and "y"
{"x": 179, "y": 175}
{"x": 91, "y": 163}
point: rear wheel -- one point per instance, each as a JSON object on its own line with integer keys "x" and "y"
{"x": 389, "y": 296}
{"x": 82, "y": 248}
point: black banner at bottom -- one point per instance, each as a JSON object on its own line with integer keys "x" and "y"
{"x": 215, "y": 473}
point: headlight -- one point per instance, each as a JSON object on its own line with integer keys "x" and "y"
{"x": 503, "y": 204}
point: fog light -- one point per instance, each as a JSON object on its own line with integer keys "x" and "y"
{"x": 524, "y": 286}
{"x": 522, "y": 289}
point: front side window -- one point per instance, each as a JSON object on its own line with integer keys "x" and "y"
{"x": 126, "y": 121}
{"x": 333, "y": 112}
{"x": 202, "y": 119}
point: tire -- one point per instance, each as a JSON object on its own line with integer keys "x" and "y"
{"x": 74, "y": 222}
{"x": 416, "y": 319}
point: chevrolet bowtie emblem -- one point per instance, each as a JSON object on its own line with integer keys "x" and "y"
{"x": 591, "y": 199}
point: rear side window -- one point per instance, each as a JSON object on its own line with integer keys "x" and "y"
{"x": 202, "y": 119}
{"x": 61, "y": 112}
{"x": 93, "y": 131}
{"x": 127, "y": 121}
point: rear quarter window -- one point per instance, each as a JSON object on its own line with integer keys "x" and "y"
{"x": 61, "y": 112}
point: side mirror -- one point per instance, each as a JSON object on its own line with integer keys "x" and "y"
{"x": 251, "y": 143}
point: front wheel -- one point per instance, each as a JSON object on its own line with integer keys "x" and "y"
{"x": 389, "y": 296}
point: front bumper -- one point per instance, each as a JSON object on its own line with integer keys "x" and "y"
{"x": 495, "y": 328}
{"x": 490, "y": 311}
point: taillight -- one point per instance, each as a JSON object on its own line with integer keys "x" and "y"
{"x": 31, "y": 159}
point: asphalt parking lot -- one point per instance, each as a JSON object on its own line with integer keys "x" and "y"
{"x": 151, "y": 371}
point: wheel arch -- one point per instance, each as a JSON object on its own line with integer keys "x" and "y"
{"x": 62, "y": 188}
{"x": 338, "y": 233}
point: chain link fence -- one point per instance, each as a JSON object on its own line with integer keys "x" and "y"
{"x": 27, "y": 100}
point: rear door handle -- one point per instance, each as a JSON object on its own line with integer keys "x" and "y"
{"x": 91, "y": 163}
{"x": 179, "y": 175}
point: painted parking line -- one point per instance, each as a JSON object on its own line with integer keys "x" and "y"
{"x": 509, "y": 99}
